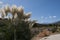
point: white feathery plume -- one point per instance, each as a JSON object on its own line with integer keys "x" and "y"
{"x": 7, "y": 9}
{"x": 3, "y": 13}
{"x": 32, "y": 23}
{"x": 14, "y": 9}
{"x": 20, "y": 9}
{"x": 20, "y": 12}
{"x": 28, "y": 15}
{"x": 15, "y": 16}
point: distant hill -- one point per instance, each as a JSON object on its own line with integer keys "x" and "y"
{"x": 40, "y": 25}
{"x": 58, "y": 22}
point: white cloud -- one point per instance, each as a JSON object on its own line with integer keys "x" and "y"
{"x": 42, "y": 17}
{"x": 46, "y": 18}
{"x": 3, "y": 5}
{"x": 54, "y": 16}
{"x": 41, "y": 21}
{"x": 50, "y": 16}
{"x": 1, "y": 2}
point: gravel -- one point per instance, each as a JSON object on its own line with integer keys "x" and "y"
{"x": 52, "y": 37}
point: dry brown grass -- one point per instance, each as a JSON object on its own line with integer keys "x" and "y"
{"x": 42, "y": 34}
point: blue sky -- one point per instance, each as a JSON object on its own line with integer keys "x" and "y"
{"x": 45, "y": 11}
